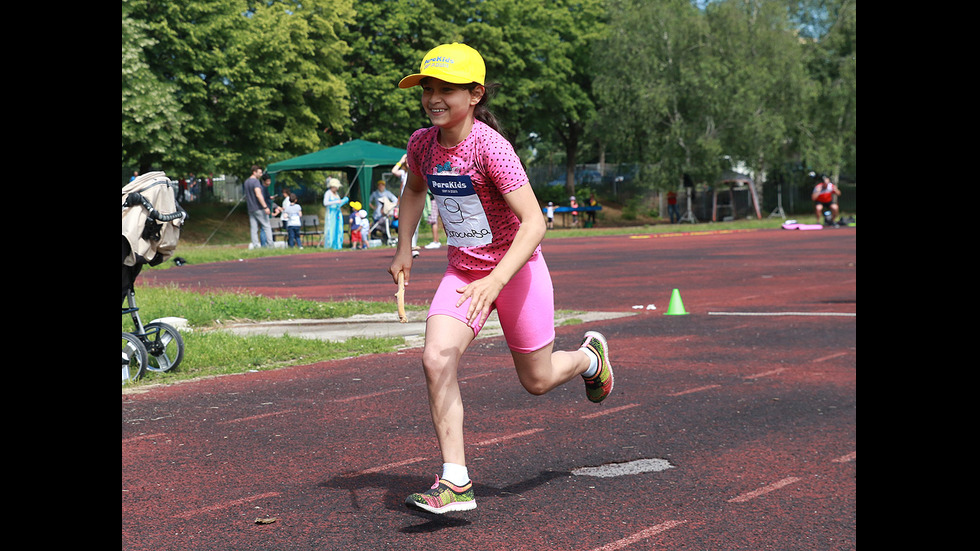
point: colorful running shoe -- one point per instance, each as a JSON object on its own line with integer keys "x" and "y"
{"x": 444, "y": 497}
{"x": 599, "y": 385}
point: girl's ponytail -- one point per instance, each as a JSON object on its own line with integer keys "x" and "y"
{"x": 482, "y": 111}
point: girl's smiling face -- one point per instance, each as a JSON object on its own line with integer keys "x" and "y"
{"x": 449, "y": 105}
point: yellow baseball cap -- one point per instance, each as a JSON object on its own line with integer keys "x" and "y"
{"x": 456, "y": 63}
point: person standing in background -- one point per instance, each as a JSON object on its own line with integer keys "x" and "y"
{"x": 333, "y": 226}
{"x": 258, "y": 208}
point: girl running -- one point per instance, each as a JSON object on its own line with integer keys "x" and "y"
{"x": 494, "y": 229}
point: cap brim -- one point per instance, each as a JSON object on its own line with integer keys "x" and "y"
{"x": 410, "y": 80}
{"x": 416, "y": 79}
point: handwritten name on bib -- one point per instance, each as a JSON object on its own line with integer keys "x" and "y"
{"x": 463, "y": 216}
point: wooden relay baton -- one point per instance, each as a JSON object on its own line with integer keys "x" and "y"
{"x": 400, "y": 295}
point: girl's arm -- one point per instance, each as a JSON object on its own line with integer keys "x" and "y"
{"x": 484, "y": 291}
{"x": 409, "y": 214}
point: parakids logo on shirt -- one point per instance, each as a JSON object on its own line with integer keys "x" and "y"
{"x": 451, "y": 185}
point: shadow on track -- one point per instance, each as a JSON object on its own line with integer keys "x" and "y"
{"x": 398, "y": 487}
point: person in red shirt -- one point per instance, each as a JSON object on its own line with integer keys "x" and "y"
{"x": 823, "y": 195}
{"x": 675, "y": 214}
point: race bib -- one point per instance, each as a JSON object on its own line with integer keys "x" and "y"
{"x": 461, "y": 210}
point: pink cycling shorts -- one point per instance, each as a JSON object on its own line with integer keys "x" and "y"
{"x": 525, "y": 306}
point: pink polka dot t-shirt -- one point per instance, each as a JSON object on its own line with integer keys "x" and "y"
{"x": 469, "y": 182}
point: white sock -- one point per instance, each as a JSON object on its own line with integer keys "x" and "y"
{"x": 593, "y": 362}
{"x": 455, "y": 473}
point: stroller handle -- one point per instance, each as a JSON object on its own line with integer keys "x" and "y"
{"x": 135, "y": 198}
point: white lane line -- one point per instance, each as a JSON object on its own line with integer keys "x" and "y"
{"x": 371, "y": 395}
{"x": 225, "y": 505}
{"x": 692, "y": 390}
{"x": 508, "y": 437}
{"x": 764, "y": 490}
{"x": 254, "y": 417}
{"x": 641, "y": 535}
{"x": 608, "y": 411}
{"x": 846, "y": 458}
{"x": 380, "y": 468}
{"x": 830, "y": 357}
{"x": 765, "y": 373}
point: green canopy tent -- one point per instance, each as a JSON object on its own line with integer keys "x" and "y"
{"x": 359, "y": 157}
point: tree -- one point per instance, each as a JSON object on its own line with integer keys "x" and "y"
{"x": 700, "y": 85}
{"x": 152, "y": 122}
{"x": 256, "y": 81}
{"x": 536, "y": 50}
{"x": 828, "y": 133}
{"x": 763, "y": 80}
{"x": 566, "y": 99}
{"x": 387, "y": 41}
{"x": 658, "y": 82}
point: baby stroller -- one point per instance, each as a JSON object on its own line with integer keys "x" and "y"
{"x": 388, "y": 219}
{"x": 151, "y": 221}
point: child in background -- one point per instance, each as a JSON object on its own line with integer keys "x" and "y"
{"x": 352, "y": 221}
{"x": 359, "y": 230}
{"x": 293, "y": 214}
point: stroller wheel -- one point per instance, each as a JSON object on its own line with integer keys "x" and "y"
{"x": 134, "y": 358}
{"x": 164, "y": 345}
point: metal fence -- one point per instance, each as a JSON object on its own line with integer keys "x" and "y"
{"x": 622, "y": 183}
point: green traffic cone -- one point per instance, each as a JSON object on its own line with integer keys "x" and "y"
{"x": 676, "y": 307}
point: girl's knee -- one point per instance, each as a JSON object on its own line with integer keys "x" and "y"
{"x": 533, "y": 378}
{"x": 542, "y": 370}
{"x": 438, "y": 361}
{"x": 535, "y": 386}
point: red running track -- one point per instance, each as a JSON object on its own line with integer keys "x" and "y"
{"x": 750, "y": 399}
